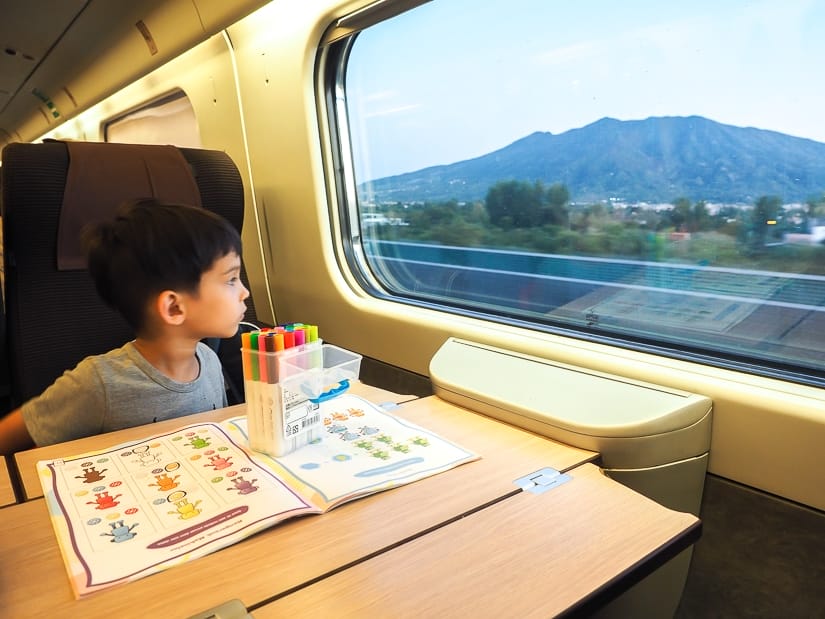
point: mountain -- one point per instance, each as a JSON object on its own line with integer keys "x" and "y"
{"x": 653, "y": 160}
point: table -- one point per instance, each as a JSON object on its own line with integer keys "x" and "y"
{"x": 527, "y": 556}
{"x": 293, "y": 554}
{"x": 26, "y": 460}
{"x": 6, "y": 489}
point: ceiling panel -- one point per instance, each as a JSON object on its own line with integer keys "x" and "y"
{"x": 28, "y": 29}
{"x": 57, "y": 57}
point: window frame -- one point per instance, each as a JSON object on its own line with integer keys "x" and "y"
{"x": 164, "y": 99}
{"x": 332, "y": 66}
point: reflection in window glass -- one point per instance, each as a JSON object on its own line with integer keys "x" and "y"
{"x": 169, "y": 121}
{"x": 647, "y": 171}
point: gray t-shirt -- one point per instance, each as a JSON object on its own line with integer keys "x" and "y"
{"x": 120, "y": 389}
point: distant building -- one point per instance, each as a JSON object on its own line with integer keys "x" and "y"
{"x": 814, "y": 236}
{"x": 373, "y": 219}
{"x": 376, "y": 219}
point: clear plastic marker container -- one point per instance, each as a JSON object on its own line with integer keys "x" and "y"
{"x": 284, "y": 391}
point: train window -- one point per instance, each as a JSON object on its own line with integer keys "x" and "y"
{"x": 648, "y": 174}
{"x": 170, "y": 120}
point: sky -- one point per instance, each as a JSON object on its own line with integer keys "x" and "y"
{"x": 456, "y": 79}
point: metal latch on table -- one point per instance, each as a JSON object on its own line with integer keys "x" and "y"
{"x": 233, "y": 609}
{"x": 542, "y": 480}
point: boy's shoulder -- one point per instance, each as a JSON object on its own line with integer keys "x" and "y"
{"x": 128, "y": 357}
{"x": 125, "y": 354}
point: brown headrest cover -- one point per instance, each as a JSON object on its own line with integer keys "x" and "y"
{"x": 103, "y": 175}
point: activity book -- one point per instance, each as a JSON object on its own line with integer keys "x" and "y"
{"x": 141, "y": 507}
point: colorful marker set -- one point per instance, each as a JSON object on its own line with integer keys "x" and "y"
{"x": 288, "y": 371}
{"x": 283, "y": 337}
{"x": 276, "y": 420}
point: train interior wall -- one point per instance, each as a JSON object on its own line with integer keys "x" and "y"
{"x": 253, "y": 93}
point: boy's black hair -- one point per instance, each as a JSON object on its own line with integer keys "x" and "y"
{"x": 151, "y": 247}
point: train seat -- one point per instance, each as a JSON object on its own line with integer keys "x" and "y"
{"x": 54, "y": 317}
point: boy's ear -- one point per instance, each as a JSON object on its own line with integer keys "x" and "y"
{"x": 170, "y": 307}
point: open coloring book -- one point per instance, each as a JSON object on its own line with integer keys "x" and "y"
{"x": 141, "y": 507}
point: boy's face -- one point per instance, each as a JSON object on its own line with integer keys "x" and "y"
{"x": 219, "y": 305}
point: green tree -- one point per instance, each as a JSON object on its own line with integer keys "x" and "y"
{"x": 513, "y": 204}
{"x": 554, "y": 205}
{"x": 680, "y": 214}
{"x": 699, "y": 217}
{"x": 816, "y": 206}
{"x": 518, "y": 204}
{"x": 764, "y": 217}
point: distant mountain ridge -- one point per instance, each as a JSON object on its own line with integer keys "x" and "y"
{"x": 653, "y": 160}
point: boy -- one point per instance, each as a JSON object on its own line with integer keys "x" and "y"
{"x": 173, "y": 272}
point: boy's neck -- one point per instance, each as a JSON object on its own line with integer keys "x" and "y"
{"x": 173, "y": 358}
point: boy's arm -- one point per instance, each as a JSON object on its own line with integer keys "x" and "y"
{"x": 14, "y": 436}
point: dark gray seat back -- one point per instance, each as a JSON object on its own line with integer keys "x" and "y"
{"x": 54, "y": 317}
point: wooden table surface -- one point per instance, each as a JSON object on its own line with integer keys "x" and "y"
{"x": 528, "y": 556}
{"x": 294, "y": 553}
